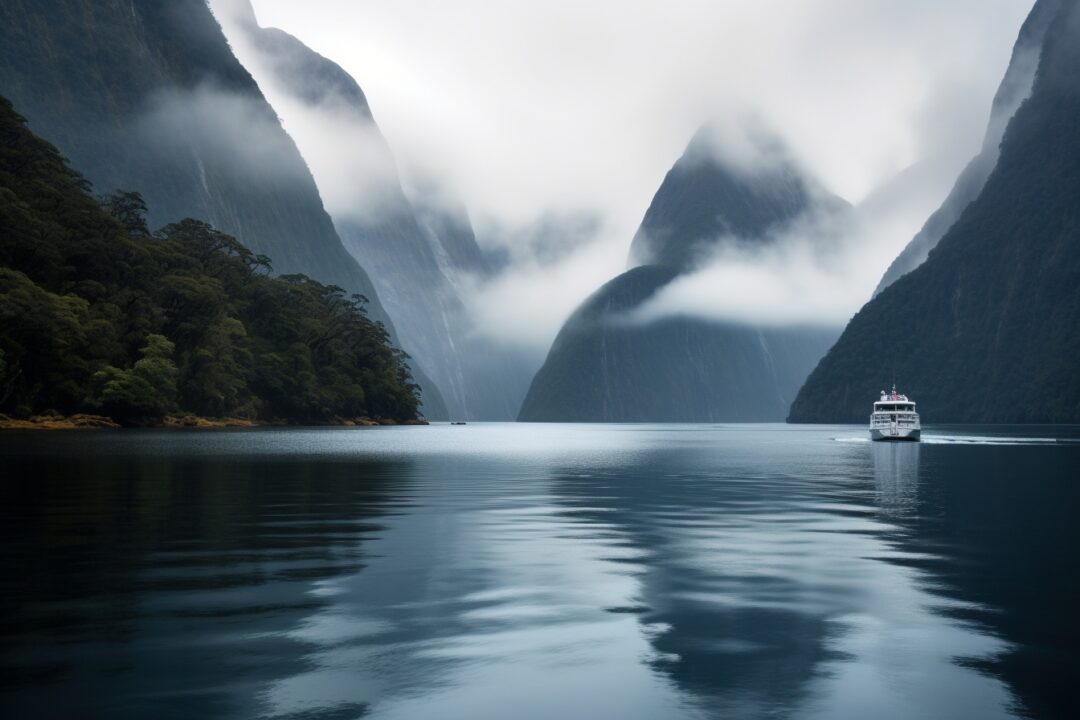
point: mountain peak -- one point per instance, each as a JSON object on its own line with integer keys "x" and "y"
{"x": 721, "y": 191}
{"x": 604, "y": 366}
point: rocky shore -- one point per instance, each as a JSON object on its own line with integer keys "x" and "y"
{"x": 82, "y": 421}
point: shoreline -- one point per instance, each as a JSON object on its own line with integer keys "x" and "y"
{"x": 85, "y": 421}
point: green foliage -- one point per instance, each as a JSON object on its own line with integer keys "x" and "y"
{"x": 8, "y": 376}
{"x": 146, "y": 392}
{"x": 98, "y": 314}
{"x": 129, "y": 209}
{"x": 44, "y": 340}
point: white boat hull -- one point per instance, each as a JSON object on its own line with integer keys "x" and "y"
{"x": 895, "y": 433}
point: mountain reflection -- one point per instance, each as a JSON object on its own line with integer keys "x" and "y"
{"x": 763, "y": 592}
{"x": 488, "y": 601}
{"x": 506, "y": 571}
{"x": 714, "y": 592}
{"x": 1000, "y": 522}
{"x": 144, "y": 578}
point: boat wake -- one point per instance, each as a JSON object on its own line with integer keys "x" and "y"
{"x": 977, "y": 440}
{"x": 974, "y": 440}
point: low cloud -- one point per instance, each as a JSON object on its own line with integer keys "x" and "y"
{"x": 544, "y": 106}
{"x": 532, "y": 110}
{"x": 549, "y": 266}
{"x": 353, "y": 167}
{"x": 237, "y": 131}
{"x": 815, "y": 271}
{"x": 786, "y": 284}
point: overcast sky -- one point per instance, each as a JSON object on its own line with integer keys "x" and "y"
{"x": 529, "y": 108}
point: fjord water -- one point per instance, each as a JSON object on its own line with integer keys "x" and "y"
{"x": 540, "y": 571}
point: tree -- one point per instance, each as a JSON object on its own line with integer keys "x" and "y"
{"x": 144, "y": 393}
{"x": 8, "y": 374}
{"x": 129, "y": 209}
{"x": 215, "y": 373}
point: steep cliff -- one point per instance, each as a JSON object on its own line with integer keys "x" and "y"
{"x": 420, "y": 254}
{"x": 1014, "y": 89}
{"x": 988, "y": 328}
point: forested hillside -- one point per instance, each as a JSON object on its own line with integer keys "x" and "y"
{"x": 99, "y": 315}
{"x": 147, "y": 95}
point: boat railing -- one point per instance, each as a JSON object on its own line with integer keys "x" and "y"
{"x": 886, "y": 421}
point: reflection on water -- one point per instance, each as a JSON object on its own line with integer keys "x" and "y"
{"x": 535, "y": 572}
{"x": 896, "y": 475}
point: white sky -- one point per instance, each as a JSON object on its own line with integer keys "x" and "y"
{"x": 533, "y": 108}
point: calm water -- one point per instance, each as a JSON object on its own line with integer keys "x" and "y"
{"x": 525, "y": 571}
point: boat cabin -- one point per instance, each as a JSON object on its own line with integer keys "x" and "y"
{"x": 894, "y": 418}
{"x": 894, "y": 402}
{"x": 894, "y": 406}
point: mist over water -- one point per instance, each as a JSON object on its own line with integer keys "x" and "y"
{"x": 538, "y": 571}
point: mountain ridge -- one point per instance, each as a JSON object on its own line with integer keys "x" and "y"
{"x": 1014, "y": 88}
{"x": 986, "y": 329}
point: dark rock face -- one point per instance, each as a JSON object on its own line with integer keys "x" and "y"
{"x": 605, "y": 367}
{"x": 419, "y": 253}
{"x": 988, "y": 328}
{"x": 1014, "y": 89}
{"x": 148, "y": 96}
{"x": 143, "y": 96}
{"x": 702, "y": 199}
{"x": 602, "y": 369}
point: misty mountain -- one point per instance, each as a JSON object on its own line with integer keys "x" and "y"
{"x": 1013, "y": 90}
{"x": 702, "y": 199}
{"x": 987, "y": 329}
{"x": 420, "y": 254}
{"x": 605, "y": 366}
{"x": 148, "y": 96}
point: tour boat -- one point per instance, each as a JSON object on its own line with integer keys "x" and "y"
{"x": 894, "y": 418}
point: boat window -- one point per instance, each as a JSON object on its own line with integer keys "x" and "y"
{"x": 896, "y": 407}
